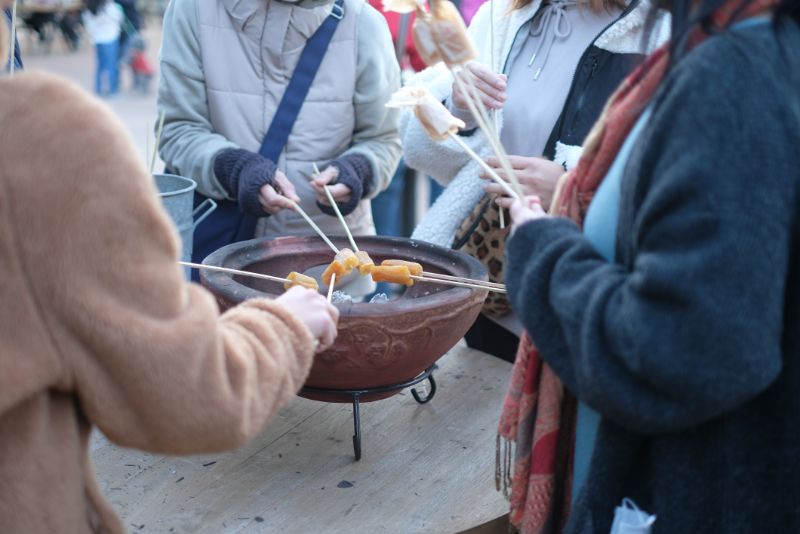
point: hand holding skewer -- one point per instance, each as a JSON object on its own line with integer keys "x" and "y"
{"x": 328, "y": 192}
{"x": 440, "y": 124}
{"x": 278, "y": 196}
{"x": 327, "y": 179}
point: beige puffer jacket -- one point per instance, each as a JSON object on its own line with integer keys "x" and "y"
{"x": 224, "y": 67}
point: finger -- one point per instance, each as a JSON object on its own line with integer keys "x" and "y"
{"x": 493, "y": 162}
{"x": 497, "y": 95}
{"x": 490, "y": 96}
{"x": 501, "y": 174}
{"x": 487, "y": 76}
{"x": 506, "y": 202}
{"x": 265, "y": 197}
{"x": 328, "y": 334}
{"x": 322, "y": 198}
{"x": 520, "y": 162}
{"x": 495, "y": 188}
{"x": 533, "y": 200}
{"x": 333, "y": 311}
{"x": 286, "y": 187}
{"x": 326, "y": 177}
{"x": 274, "y": 202}
{"x": 340, "y": 192}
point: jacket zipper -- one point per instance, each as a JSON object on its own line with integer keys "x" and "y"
{"x": 571, "y": 93}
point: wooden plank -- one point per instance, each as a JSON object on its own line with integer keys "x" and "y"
{"x": 424, "y": 467}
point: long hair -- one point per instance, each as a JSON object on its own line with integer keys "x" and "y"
{"x": 595, "y": 5}
{"x": 687, "y": 15}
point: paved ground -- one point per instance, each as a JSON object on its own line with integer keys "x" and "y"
{"x": 137, "y": 111}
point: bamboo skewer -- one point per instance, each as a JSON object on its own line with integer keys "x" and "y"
{"x": 478, "y": 110}
{"x": 338, "y": 213}
{"x": 330, "y": 288}
{"x": 457, "y": 284}
{"x": 313, "y": 225}
{"x": 13, "y": 47}
{"x": 485, "y": 166}
{"x": 234, "y": 271}
{"x": 464, "y": 280}
{"x": 158, "y": 141}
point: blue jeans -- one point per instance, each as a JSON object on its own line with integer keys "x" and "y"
{"x": 107, "y": 68}
{"x": 387, "y": 207}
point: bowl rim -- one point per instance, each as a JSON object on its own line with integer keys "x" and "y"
{"x": 224, "y": 286}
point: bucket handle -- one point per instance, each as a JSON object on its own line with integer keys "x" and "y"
{"x": 204, "y": 209}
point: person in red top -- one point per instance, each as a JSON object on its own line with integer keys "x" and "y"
{"x": 408, "y": 57}
{"x": 143, "y": 70}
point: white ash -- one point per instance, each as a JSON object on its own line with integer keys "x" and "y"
{"x": 340, "y": 297}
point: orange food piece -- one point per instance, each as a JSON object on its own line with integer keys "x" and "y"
{"x": 365, "y": 263}
{"x": 297, "y": 279}
{"x": 336, "y": 267}
{"x": 395, "y": 274}
{"x": 414, "y": 268}
{"x": 342, "y": 265}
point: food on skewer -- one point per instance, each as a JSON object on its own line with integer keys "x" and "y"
{"x": 297, "y": 279}
{"x": 437, "y": 120}
{"x": 394, "y": 274}
{"x": 365, "y": 263}
{"x": 414, "y": 268}
{"x": 348, "y": 259}
{"x": 342, "y": 265}
{"x": 425, "y": 42}
{"x": 450, "y": 33}
{"x": 335, "y": 268}
{"x": 440, "y": 33}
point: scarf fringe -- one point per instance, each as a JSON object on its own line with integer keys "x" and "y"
{"x": 503, "y": 465}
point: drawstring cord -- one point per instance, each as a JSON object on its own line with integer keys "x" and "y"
{"x": 554, "y": 13}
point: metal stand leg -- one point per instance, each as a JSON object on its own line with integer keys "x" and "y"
{"x": 355, "y": 396}
{"x": 357, "y": 427}
{"x": 431, "y": 391}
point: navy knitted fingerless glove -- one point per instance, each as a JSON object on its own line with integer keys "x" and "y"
{"x": 355, "y": 172}
{"x": 243, "y": 173}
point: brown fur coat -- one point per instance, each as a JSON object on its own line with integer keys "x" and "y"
{"x": 97, "y": 326}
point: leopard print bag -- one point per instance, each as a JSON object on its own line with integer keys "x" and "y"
{"x": 481, "y": 237}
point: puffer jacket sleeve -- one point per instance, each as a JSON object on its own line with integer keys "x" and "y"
{"x": 189, "y": 144}
{"x": 152, "y": 363}
{"x": 375, "y": 135}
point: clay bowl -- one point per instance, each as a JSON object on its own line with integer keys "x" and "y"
{"x": 378, "y": 344}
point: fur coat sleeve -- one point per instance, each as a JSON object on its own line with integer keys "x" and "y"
{"x": 147, "y": 355}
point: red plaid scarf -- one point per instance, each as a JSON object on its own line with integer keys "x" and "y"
{"x": 537, "y": 426}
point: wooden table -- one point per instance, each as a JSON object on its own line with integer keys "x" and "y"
{"x": 425, "y": 468}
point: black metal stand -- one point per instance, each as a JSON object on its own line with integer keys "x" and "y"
{"x": 356, "y": 394}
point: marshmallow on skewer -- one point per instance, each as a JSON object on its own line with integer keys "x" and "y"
{"x": 402, "y": 6}
{"x": 434, "y": 117}
{"x": 450, "y": 33}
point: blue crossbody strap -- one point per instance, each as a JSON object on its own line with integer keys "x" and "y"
{"x": 299, "y": 85}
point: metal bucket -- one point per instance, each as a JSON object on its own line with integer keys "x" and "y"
{"x": 177, "y": 196}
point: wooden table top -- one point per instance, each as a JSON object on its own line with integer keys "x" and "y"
{"x": 425, "y": 468}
